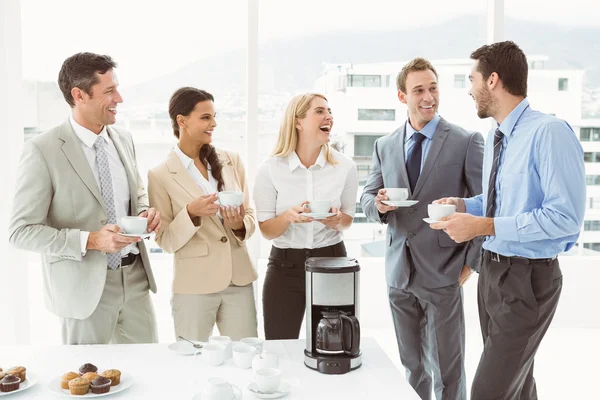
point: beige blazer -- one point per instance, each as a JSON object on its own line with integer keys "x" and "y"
{"x": 56, "y": 197}
{"x": 208, "y": 257}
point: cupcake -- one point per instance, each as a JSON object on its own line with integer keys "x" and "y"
{"x": 79, "y": 386}
{"x": 87, "y": 367}
{"x": 2, "y": 375}
{"x": 19, "y": 372}
{"x": 101, "y": 385}
{"x": 114, "y": 375}
{"x": 9, "y": 383}
{"x": 64, "y": 381}
{"x": 90, "y": 376}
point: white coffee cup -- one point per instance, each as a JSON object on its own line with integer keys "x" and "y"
{"x": 265, "y": 359}
{"x": 397, "y": 194}
{"x": 243, "y": 355}
{"x": 254, "y": 342}
{"x": 213, "y": 354}
{"x": 439, "y": 211}
{"x": 134, "y": 225}
{"x": 225, "y": 341}
{"x": 232, "y": 199}
{"x": 319, "y": 206}
{"x": 267, "y": 380}
{"x": 218, "y": 389}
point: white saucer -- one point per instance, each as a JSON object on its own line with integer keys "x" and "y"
{"x": 184, "y": 348}
{"x": 237, "y": 394}
{"x": 284, "y": 389}
{"x": 431, "y": 221}
{"x": 31, "y": 380}
{"x": 140, "y": 235}
{"x": 318, "y": 215}
{"x": 400, "y": 203}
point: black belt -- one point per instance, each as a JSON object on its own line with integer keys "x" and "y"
{"x": 518, "y": 260}
{"x": 128, "y": 259}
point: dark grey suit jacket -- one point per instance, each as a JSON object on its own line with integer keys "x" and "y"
{"x": 452, "y": 169}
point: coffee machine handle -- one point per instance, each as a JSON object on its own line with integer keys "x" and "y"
{"x": 354, "y": 334}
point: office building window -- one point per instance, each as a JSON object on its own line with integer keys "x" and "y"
{"x": 592, "y": 180}
{"x": 459, "y": 81}
{"x": 363, "y": 174}
{"x": 593, "y": 203}
{"x": 589, "y": 134}
{"x": 592, "y": 246}
{"x": 363, "y": 145}
{"x": 364, "y": 80}
{"x": 591, "y": 157}
{"x": 367, "y": 114}
{"x": 563, "y": 84}
{"x": 591, "y": 226}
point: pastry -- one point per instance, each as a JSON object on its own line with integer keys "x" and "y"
{"x": 101, "y": 385}
{"x": 19, "y": 372}
{"x": 79, "y": 386}
{"x": 114, "y": 375}
{"x": 90, "y": 376}
{"x": 2, "y": 375}
{"x": 87, "y": 367}
{"x": 9, "y": 383}
{"x": 64, "y": 381}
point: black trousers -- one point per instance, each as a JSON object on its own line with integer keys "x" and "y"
{"x": 516, "y": 305}
{"x": 284, "y": 290}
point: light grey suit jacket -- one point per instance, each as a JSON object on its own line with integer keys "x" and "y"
{"x": 452, "y": 169}
{"x": 56, "y": 197}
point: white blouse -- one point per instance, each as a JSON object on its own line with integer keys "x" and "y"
{"x": 283, "y": 182}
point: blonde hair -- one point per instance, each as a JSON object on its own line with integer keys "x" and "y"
{"x": 288, "y": 135}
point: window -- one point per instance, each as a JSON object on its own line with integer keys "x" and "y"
{"x": 593, "y": 180}
{"x": 363, "y": 145}
{"x": 363, "y": 175}
{"x": 367, "y": 114}
{"x": 537, "y": 64}
{"x": 592, "y": 246}
{"x": 593, "y": 203}
{"x": 589, "y": 134}
{"x": 364, "y": 80}
{"x": 591, "y": 157}
{"x": 591, "y": 225}
{"x": 563, "y": 84}
{"x": 459, "y": 81}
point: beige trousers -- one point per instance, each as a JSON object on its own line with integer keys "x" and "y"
{"x": 125, "y": 313}
{"x": 233, "y": 310}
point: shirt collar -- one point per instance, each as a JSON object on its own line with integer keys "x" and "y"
{"x": 185, "y": 160}
{"x": 428, "y": 130}
{"x": 294, "y": 161}
{"x": 86, "y": 136}
{"x": 508, "y": 125}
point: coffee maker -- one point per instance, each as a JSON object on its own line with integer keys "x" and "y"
{"x": 332, "y": 327}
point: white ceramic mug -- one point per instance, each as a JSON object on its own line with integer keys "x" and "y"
{"x": 243, "y": 355}
{"x": 439, "y": 211}
{"x": 265, "y": 360}
{"x": 230, "y": 199}
{"x": 224, "y": 341}
{"x": 213, "y": 354}
{"x": 254, "y": 342}
{"x": 267, "y": 380}
{"x": 218, "y": 389}
{"x": 134, "y": 225}
{"x": 397, "y": 194}
{"x": 319, "y": 206}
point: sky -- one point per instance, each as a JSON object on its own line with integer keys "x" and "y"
{"x": 149, "y": 39}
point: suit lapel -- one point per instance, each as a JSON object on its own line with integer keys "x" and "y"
{"x": 398, "y": 152}
{"x": 131, "y": 177}
{"x": 439, "y": 137}
{"x": 74, "y": 153}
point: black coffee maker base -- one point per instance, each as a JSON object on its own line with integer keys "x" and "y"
{"x": 332, "y": 364}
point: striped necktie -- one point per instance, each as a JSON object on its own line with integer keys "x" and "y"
{"x": 491, "y": 199}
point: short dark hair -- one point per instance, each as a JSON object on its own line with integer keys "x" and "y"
{"x": 416, "y": 64}
{"x": 80, "y": 70}
{"x": 508, "y": 61}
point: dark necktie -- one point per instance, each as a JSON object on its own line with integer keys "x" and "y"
{"x": 413, "y": 160}
{"x": 491, "y": 199}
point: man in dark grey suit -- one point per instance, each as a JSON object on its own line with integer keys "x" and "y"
{"x": 425, "y": 269}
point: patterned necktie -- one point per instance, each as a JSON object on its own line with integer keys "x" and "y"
{"x": 114, "y": 259}
{"x": 413, "y": 160}
{"x": 491, "y": 199}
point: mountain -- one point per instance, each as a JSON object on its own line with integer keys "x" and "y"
{"x": 293, "y": 65}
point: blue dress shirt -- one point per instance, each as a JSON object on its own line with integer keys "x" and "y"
{"x": 540, "y": 186}
{"x": 428, "y": 130}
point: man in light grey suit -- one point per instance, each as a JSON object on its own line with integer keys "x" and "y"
{"x": 74, "y": 183}
{"x": 424, "y": 268}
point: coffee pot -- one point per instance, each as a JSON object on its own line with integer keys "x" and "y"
{"x": 338, "y": 333}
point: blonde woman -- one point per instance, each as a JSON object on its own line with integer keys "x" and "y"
{"x": 302, "y": 168}
{"x": 213, "y": 273}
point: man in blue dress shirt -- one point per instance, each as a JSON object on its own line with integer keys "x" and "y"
{"x": 531, "y": 210}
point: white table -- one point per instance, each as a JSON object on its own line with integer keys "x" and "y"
{"x": 160, "y": 373}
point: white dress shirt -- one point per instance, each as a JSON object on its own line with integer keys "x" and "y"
{"x": 208, "y": 186}
{"x": 118, "y": 174}
{"x": 283, "y": 182}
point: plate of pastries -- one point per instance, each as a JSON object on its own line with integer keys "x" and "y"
{"x": 89, "y": 381}
{"x": 15, "y": 380}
